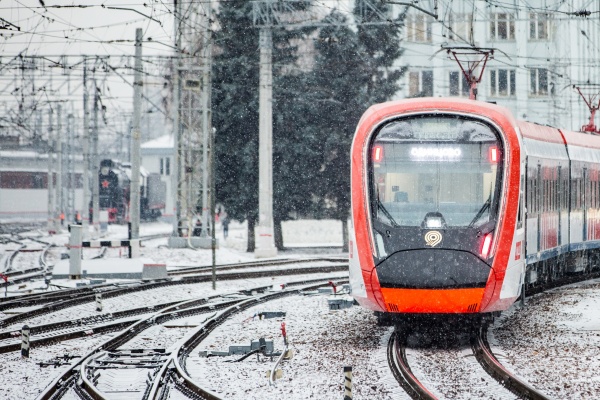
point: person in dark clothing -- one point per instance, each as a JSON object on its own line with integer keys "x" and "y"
{"x": 197, "y": 228}
{"x": 225, "y": 223}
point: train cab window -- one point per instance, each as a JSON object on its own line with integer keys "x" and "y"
{"x": 435, "y": 172}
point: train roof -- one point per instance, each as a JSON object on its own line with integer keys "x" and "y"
{"x": 433, "y": 104}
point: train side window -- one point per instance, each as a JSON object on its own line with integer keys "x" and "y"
{"x": 37, "y": 181}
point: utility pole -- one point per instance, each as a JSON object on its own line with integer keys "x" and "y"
{"x": 94, "y": 169}
{"x": 85, "y": 208}
{"x": 265, "y": 240}
{"x": 70, "y": 170}
{"x": 134, "y": 206}
{"x": 265, "y": 15}
{"x": 51, "y": 194}
{"x": 177, "y": 162}
{"x": 59, "y": 175}
{"x": 208, "y": 209}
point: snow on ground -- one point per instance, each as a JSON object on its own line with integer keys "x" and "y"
{"x": 323, "y": 343}
{"x": 554, "y": 343}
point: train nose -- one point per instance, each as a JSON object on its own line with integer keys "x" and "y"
{"x": 433, "y": 280}
{"x": 433, "y": 269}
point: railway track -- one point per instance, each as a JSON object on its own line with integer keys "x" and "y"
{"x": 53, "y": 302}
{"x": 167, "y": 369}
{"x": 416, "y": 389}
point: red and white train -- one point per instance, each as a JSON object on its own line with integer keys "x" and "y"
{"x": 457, "y": 205}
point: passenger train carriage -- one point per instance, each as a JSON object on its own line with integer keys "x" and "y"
{"x": 456, "y": 205}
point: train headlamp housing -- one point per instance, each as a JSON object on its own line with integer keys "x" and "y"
{"x": 434, "y": 220}
{"x": 486, "y": 245}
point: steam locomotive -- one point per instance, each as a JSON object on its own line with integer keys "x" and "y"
{"x": 114, "y": 192}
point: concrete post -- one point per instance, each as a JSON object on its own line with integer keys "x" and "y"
{"x": 265, "y": 241}
{"x": 85, "y": 139}
{"x": 59, "y": 173}
{"x": 75, "y": 252}
{"x": 25, "y": 341}
{"x": 94, "y": 169}
{"x": 347, "y": 383}
{"x": 98, "y": 301}
{"x": 51, "y": 194}
{"x": 134, "y": 205}
{"x": 176, "y": 170}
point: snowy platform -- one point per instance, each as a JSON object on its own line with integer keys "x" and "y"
{"x": 109, "y": 268}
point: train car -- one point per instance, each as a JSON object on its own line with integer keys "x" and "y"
{"x": 24, "y": 184}
{"x": 114, "y": 192}
{"x": 457, "y": 206}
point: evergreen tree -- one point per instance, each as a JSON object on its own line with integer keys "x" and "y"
{"x": 235, "y": 112}
{"x": 353, "y": 70}
{"x": 236, "y": 116}
{"x": 381, "y": 50}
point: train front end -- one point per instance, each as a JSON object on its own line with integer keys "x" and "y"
{"x": 435, "y": 193}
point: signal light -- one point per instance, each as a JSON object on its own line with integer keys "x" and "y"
{"x": 377, "y": 153}
{"x": 493, "y": 154}
{"x": 487, "y": 245}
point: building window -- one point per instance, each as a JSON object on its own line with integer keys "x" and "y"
{"x": 502, "y": 26}
{"x": 539, "y": 26}
{"x": 418, "y": 28}
{"x": 539, "y": 81}
{"x": 502, "y": 82}
{"x": 458, "y": 84}
{"x": 165, "y": 166}
{"x": 420, "y": 84}
{"x": 460, "y": 27}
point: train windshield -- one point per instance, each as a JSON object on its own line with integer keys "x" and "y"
{"x": 435, "y": 172}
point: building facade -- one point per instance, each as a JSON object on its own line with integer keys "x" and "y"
{"x": 542, "y": 48}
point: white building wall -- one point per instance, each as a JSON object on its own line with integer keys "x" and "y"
{"x": 570, "y": 56}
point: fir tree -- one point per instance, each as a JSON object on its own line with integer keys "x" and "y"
{"x": 235, "y": 112}
{"x": 235, "y": 116}
{"x": 353, "y": 70}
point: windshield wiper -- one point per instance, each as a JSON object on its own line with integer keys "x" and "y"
{"x": 483, "y": 208}
{"x": 386, "y": 213}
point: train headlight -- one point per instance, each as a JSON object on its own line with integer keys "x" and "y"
{"x": 433, "y": 222}
{"x": 487, "y": 245}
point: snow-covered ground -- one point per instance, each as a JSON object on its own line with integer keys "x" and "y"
{"x": 553, "y": 343}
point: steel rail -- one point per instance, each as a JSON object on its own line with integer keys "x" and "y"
{"x": 85, "y": 298}
{"x": 496, "y": 370}
{"x": 40, "y": 298}
{"x": 184, "y": 309}
{"x": 179, "y": 375}
{"x": 398, "y": 363}
{"x": 190, "y": 270}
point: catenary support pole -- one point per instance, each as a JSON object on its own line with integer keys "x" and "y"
{"x": 134, "y": 207}
{"x": 85, "y": 139}
{"x": 51, "y": 194}
{"x": 95, "y": 166}
{"x": 176, "y": 171}
{"x": 265, "y": 241}
{"x": 59, "y": 172}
